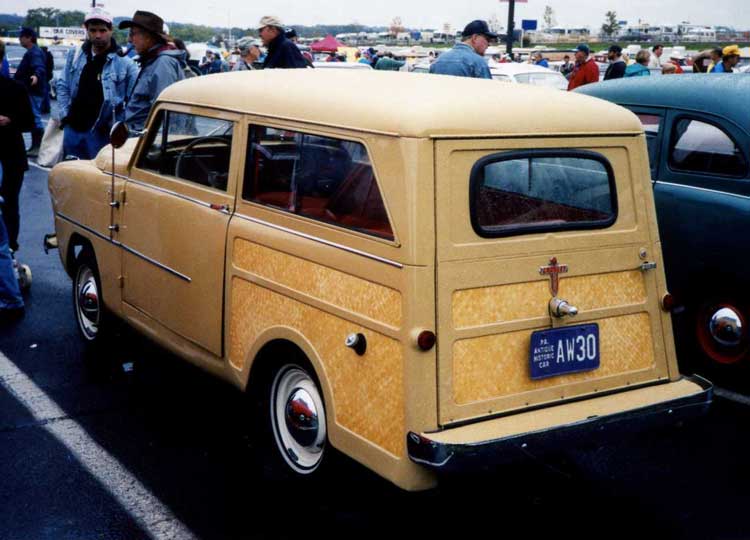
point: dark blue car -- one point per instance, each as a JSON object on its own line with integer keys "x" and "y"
{"x": 698, "y": 136}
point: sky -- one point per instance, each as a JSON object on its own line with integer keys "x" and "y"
{"x": 414, "y": 13}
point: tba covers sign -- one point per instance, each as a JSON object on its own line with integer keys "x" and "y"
{"x": 62, "y": 32}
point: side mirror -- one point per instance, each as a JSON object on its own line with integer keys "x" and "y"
{"x": 119, "y": 134}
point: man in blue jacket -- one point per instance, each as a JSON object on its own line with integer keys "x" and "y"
{"x": 92, "y": 88}
{"x": 32, "y": 73}
{"x": 466, "y": 59}
{"x": 282, "y": 52}
{"x": 161, "y": 65}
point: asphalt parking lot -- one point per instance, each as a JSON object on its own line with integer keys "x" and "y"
{"x": 136, "y": 444}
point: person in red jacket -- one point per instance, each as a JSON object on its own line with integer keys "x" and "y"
{"x": 585, "y": 71}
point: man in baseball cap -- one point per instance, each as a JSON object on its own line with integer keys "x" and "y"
{"x": 161, "y": 65}
{"x": 282, "y": 52}
{"x": 585, "y": 70}
{"x": 94, "y": 83}
{"x": 466, "y": 59}
{"x": 249, "y": 54}
{"x": 730, "y": 57}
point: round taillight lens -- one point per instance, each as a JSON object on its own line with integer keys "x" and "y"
{"x": 426, "y": 340}
{"x": 668, "y": 303}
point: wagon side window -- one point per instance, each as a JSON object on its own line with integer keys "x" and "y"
{"x": 323, "y": 178}
{"x": 542, "y": 190}
{"x": 190, "y": 147}
{"x": 705, "y": 148}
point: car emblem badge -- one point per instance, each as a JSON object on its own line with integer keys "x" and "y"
{"x": 553, "y": 271}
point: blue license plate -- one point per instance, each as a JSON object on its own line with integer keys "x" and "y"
{"x": 564, "y": 350}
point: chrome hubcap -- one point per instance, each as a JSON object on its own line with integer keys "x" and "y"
{"x": 87, "y": 302}
{"x": 302, "y": 418}
{"x": 298, "y": 419}
{"x": 726, "y": 328}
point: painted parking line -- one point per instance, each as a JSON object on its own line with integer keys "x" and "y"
{"x": 732, "y": 396}
{"x": 144, "y": 507}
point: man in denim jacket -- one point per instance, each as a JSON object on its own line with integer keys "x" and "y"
{"x": 466, "y": 59}
{"x": 162, "y": 64}
{"x": 92, "y": 89}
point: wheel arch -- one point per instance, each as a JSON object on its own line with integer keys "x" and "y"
{"x": 277, "y": 344}
{"x": 76, "y": 243}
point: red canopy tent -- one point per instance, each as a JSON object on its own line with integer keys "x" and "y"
{"x": 327, "y": 44}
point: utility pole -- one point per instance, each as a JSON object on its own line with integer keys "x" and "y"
{"x": 511, "y": 13}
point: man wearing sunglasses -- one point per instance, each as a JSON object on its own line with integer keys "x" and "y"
{"x": 466, "y": 59}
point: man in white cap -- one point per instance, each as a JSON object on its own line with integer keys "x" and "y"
{"x": 282, "y": 52}
{"x": 249, "y": 54}
{"x": 92, "y": 89}
{"x": 675, "y": 58}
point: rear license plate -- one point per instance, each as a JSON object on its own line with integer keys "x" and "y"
{"x": 564, "y": 350}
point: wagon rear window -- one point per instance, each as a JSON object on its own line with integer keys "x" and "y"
{"x": 515, "y": 192}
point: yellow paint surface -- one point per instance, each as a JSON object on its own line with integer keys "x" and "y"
{"x": 354, "y": 294}
{"x": 368, "y": 391}
{"x": 494, "y": 366}
{"x": 476, "y": 307}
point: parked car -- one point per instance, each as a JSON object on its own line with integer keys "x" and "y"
{"x": 342, "y": 65}
{"x": 59, "y": 55}
{"x": 512, "y": 72}
{"x": 436, "y": 290}
{"x": 698, "y": 136}
{"x": 14, "y": 55}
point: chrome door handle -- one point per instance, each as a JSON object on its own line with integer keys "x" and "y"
{"x": 560, "y": 308}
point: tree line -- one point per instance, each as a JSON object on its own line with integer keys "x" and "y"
{"x": 49, "y": 16}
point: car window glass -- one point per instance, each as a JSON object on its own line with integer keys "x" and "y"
{"x": 705, "y": 148}
{"x": 651, "y": 123}
{"x": 322, "y": 178}
{"x": 541, "y": 191}
{"x": 190, "y": 147}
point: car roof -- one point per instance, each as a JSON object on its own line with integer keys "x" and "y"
{"x": 724, "y": 94}
{"x": 401, "y": 104}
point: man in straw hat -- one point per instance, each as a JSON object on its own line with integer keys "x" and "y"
{"x": 282, "y": 52}
{"x": 730, "y": 57}
{"x": 161, "y": 65}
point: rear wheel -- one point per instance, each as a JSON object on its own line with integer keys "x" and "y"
{"x": 291, "y": 415}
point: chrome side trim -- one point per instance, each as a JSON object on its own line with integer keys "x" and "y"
{"x": 321, "y": 241}
{"x": 126, "y": 248}
{"x": 703, "y": 189}
{"x": 223, "y": 210}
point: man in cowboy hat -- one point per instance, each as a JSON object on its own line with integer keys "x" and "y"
{"x": 161, "y": 65}
{"x": 94, "y": 83}
{"x": 282, "y": 52}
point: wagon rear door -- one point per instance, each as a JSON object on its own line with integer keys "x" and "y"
{"x": 572, "y": 219}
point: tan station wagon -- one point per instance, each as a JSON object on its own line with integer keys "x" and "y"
{"x": 426, "y": 275}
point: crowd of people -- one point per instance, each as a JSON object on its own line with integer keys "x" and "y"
{"x": 102, "y": 83}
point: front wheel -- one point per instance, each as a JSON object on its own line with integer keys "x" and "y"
{"x": 91, "y": 316}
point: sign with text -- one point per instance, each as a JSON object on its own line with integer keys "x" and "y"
{"x": 528, "y": 24}
{"x": 62, "y": 32}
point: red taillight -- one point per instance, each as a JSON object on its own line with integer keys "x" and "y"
{"x": 426, "y": 340}
{"x": 668, "y": 303}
